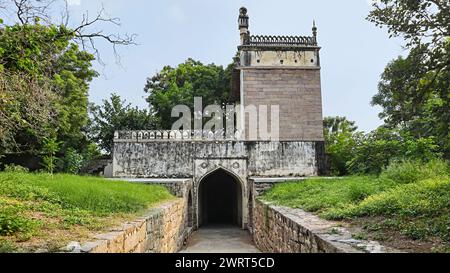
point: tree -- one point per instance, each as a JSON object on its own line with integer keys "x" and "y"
{"x": 56, "y": 73}
{"x": 340, "y": 137}
{"x": 420, "y": 22}
{"x": 375, "y": 151}
{"x": 414, "y": 92}
{"x": 115, "y": 115}
{"x": 26, "y": 112}
{"x": 414, "y": 99}
{"x": 179, "y": 86}
{"x": 56, "y": 12}
{"x": 45, "y": 71}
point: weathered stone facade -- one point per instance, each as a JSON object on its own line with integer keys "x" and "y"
{"x": 285, "y": 230}
{"x": 179, "y": 159}
{"x": 162, "y": 230}
{"x": 198, "y": 159}
{"x": 271, "y": 70}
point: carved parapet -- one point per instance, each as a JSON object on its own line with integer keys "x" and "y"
{"x": 176, "y": 135}
{"x": 291, "y": 41}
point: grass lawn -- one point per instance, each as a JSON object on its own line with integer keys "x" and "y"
{"x": 407, "y": 206}
{"x": 39, "y": 211}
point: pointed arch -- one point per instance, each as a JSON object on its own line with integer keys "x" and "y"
{"x": 220, "y": 168}
{"x": 220, "y": 198}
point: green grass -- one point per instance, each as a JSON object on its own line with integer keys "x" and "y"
{"x": 410, "y": 198}
{"x": 321, "y": 195}
{"x": 36, "y": 207}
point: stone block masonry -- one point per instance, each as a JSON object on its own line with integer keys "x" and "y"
{"x": 296, "y": 91}
{"x": 285, "y": 230}
{"x": 161, "y": 230}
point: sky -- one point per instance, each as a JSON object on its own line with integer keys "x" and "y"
{"x": 354, "y": 51}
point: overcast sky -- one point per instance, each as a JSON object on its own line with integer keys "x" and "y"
{"x": 354, "y": 51}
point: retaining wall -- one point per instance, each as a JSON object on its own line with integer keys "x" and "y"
{"x": 285, "y": 230}
{"x": 162, "y": 230}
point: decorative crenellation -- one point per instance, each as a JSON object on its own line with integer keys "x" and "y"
{"x": 177, "y": 135}
{"x": 292, "y": 41}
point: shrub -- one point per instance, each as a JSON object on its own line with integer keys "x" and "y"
{"x": 50, "y": 147}
{"x": 375, "y": 151}
{"x": 12, "y": 168}
{"x": 359, "y": 192}
{"x": 405, "y": 172}
{"x": 73, "y": 161}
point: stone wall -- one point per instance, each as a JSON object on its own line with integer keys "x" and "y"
{"x": 284, "y": 230}
{"x": 175, "y": 159}
{"x": 298, "y": 94}
{"x": 162, "y": 230}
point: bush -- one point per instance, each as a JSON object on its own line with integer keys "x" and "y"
{"x": 73, "y": 161}
{"x": 359, "y": 192}
{"x": 405, "y": 172}
{"x": 375, "y": 151}
{"x": 12, "y": 168}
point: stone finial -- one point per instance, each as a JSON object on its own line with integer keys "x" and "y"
{"x": 314, "y": 29}
{"x": 243, "y": 24}
{"x": 243, "y": 18}
{"x": 243, "y": 11}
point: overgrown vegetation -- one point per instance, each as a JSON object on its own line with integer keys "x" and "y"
{"x": 414, "y": 94}
{"x": 410, "y": 198}
{"x": 40, "y": 210}
{"x": 45, "y": 72}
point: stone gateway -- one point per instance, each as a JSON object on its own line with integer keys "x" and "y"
{"x": 226, "y": 171}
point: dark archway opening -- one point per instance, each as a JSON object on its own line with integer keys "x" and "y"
{"x": 220, "y": 200}
{"x": 190, "y": 209}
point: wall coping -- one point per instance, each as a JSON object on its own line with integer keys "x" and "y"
{"x": 330, "y": 233}
{"x": 287, "y": 179}
{"x": 153, "y": 180}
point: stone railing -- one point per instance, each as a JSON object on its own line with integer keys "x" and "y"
{"x": 264, "y": 40}
{"x": 175, "y": 135}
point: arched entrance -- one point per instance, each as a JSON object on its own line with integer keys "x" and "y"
{"x": 220, "y": 199}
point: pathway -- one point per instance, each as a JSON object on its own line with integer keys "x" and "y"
{"x": 220, "y": 239}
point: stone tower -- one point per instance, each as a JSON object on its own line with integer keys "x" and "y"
{"x": 282, "y": 71}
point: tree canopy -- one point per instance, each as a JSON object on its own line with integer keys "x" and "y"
{"x": 414, "y": 92}
{"x": 179, "y": 85}
{"x": 45, "y": 72}
{"x": 115, "y": 114}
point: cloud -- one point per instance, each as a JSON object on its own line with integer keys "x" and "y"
{"x": 74, "y": 2}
